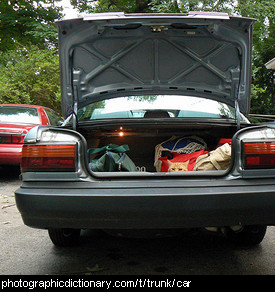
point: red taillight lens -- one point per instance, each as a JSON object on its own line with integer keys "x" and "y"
{"x": 48, "y": 158}
{"x": 17, "y": 139}
{"x": 11, "y": 139}
{"x": 5, "y": 138}
{"x": 259, "y": 155}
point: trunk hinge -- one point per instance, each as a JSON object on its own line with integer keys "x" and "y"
{"x": 237, "y": 114}
{"x": 76, "y": 81}
{"x": 236, "y": 80}
{"x": 72, "y": 116}
{"x": 238, "y": 92}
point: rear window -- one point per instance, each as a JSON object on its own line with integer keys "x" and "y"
{"x": 150, "y": 106}
{"x": 19, "y": 115}
{"x": 54, "y": 118}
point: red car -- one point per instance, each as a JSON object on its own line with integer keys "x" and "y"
{"x": 15, "y": 122}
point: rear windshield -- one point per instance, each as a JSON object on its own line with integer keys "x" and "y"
{"x": 156, "y": 106}
{"x": 19, "y": 115}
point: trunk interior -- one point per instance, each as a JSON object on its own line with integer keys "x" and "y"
{"x": 143, "y": 138}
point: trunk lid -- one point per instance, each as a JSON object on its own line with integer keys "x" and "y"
{"x": 116, "y": 54}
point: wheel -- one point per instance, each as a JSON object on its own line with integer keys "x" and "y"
{"x": 64, "y": 237}
{"x": 248, "y": 235}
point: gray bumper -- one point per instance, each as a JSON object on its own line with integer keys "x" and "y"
{"x": 156, "y": 205}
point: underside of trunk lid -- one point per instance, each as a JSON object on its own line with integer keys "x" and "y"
{"x": 108, "y": 55}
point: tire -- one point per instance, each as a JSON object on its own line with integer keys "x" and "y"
{"x": 248, "y": 235}
{"x": 64, "y": 237}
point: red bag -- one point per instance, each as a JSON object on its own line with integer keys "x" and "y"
{"x": 223, "y": 141}
{"x": 180, "y": 162}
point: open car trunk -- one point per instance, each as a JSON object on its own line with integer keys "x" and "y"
{"x": 144, "y": 141}
{"x": 158, "y": 60}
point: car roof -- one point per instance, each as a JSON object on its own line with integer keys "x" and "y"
{"x": 25, "y": 105}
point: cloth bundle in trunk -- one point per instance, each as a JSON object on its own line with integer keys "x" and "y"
{"x": 189, "y": 153}
{"x": 218, "y": 159}
{"x": 175, "y": 149}
{"x": 111, "y": 158}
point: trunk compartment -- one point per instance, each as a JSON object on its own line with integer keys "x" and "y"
{"x": 142, "y": 139}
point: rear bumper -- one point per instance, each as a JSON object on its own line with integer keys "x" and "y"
{"x": 110, "y": 206}
{"x": 10, "y": 153}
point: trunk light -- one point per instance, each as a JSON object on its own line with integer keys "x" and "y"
{"x": 259, "y": 155}
{"x": 48, "y": 158}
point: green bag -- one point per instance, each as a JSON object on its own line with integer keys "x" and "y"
{"x": 111, "y": 158}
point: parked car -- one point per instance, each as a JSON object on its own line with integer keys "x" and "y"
{"x": 164, "y": 86}
{"x": 15, "y": 122}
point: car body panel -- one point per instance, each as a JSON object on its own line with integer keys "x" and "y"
{"x": 207, "y": 55}
{"x": 146, "y": 200}
{"x": 155, "y": 204}
{"x": 10, "y": 154}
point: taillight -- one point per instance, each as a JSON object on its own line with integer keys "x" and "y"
{"x": 5, "y": 139}
{"x": 259, "y": 155}
{"x": 48, "y": 158}
{"x": 11, "y": 139}
{"x": 17, "y": 139}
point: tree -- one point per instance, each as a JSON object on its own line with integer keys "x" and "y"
{"x": 30, "y": 75}
{"x": 140, "y": 6}
{"x": 27, "y": 22}
{"x": 262, "y": 93}
{"x": 28, "y": 53}
{"x": 128, "y": 6}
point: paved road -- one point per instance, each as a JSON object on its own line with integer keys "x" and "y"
{"x": 27, "y": 251}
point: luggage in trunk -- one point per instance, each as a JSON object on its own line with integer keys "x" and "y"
{"x": 147, "y": 153}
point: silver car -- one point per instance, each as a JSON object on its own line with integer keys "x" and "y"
{"x": 151, "y": 100}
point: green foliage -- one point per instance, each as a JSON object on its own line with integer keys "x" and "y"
{"x": 158, "y": 6}
{"x": 262, "y": 91}
{"x": 28, "y": 55}
{"x": 129, "y": 6}
{"x": 27, "y": 22}
{"x": 30, "y": 75}
{"x": 180, "y": 6}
